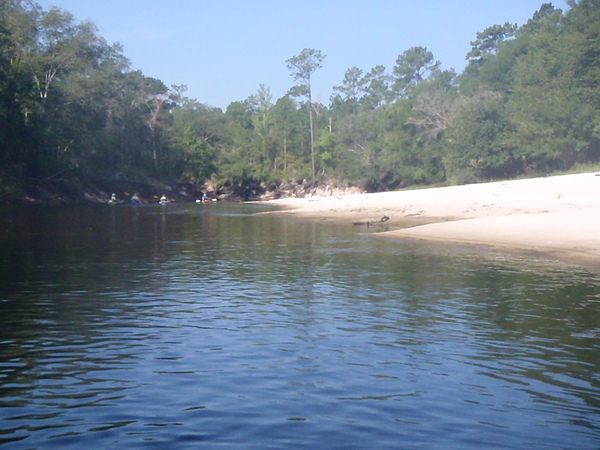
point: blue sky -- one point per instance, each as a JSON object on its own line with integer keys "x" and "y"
{"x": 223, "y": 50}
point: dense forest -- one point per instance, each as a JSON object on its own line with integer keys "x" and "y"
{"x": 73, "y": 113}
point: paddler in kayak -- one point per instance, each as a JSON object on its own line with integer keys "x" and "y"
{"x": 135, "y": 200}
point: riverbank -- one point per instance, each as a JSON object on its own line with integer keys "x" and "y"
{"x": 556, "y": 216}
{"x": 24, "y": 190}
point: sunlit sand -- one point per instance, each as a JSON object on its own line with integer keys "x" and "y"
{"x": 558, "y": 216}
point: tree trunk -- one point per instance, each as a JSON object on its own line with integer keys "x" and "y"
{"x": 284, "y": 155}
{"x": 312, "y": 135}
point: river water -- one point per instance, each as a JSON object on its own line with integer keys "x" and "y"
{"x": 189, "y": 325}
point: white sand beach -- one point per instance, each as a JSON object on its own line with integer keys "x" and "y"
{"x": 557, "y": 216}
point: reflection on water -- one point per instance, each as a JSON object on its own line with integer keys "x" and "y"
{"x": 184, "y": 325}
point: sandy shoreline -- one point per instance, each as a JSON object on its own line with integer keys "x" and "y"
{"x": 556, "y": 216}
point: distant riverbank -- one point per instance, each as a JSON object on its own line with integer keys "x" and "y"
{"x": 556, "y": 216}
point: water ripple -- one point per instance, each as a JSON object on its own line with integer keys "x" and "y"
{"x": 241, "y": 331}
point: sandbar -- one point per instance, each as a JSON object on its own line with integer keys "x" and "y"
{"x": 556, "y": 216}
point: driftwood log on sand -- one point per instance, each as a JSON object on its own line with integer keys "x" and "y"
{"x": 368, "y": 223}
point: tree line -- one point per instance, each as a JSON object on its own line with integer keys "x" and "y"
{"x": 527, "y": 103}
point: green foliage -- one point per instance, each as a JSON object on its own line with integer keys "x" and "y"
{"x": 376, "y": 88}
{"x": 352, "y": 85}
{"x": 478, "y": 140}
{"x": 196, "y": 140}
{"x": 489, "y": 40}
{"x": 554, "y": 101}
{"x": 527, "y": 103}
{"x": 411, "y": 68}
